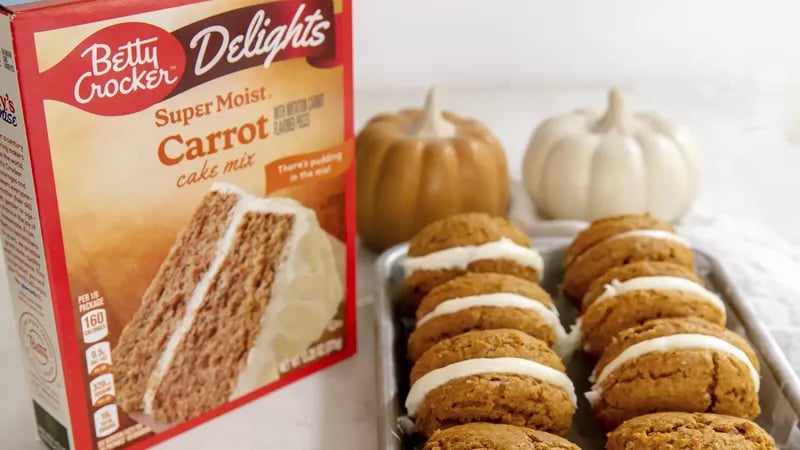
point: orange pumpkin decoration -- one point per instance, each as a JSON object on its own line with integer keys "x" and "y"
{"x": 417, "y": 166}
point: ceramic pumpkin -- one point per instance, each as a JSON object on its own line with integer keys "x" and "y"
{"x": 417, "y": 166}
{"x": 585, "y": 165}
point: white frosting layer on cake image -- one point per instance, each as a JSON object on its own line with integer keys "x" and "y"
{"x": 306, "y": 289}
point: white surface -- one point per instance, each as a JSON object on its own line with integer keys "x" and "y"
{"x": 751, "y": 180}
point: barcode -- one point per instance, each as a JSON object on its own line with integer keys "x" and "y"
{"x": 8, "y": 60}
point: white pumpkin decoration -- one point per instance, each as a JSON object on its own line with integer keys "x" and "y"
{"x": 584, "y": 165}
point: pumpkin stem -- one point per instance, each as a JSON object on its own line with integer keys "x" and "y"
{"x": 616, "y": 116}
{"x": 432, "y": 124}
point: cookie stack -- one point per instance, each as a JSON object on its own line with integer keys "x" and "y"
{"x": 485, "y": 348}
{"x": 657, "y": 331}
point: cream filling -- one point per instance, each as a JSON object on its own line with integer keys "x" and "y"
{"x": 261, "y": 360}
{"x": 562, "y": 345}
{"x": 666, "y": 344}
{"x": 469, "y": 367}
{"x": 460, "y": 257}
{"x": 653, "y": 234}
{"x": 665, "y": 283}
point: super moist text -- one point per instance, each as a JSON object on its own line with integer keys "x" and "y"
{"x": 259, "y": 40}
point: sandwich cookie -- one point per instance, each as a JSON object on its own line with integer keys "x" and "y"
{"x": 487, "y": 301}
{"x": 497, "y": 376}
{"x": 629, "y": 295}
{"x": 463, "y": 243}
{"x": 491, "y": 436}
{"x": 675, "y": 430}
{"x": 683, "y": 365}
{"x": 616, "y": 241}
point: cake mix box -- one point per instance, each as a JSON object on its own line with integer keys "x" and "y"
{"x": 176, "y": 207}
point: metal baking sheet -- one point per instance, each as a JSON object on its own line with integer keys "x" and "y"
{"x": 780, "y": 386}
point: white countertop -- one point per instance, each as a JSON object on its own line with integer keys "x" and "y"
{"x": 751, "y": 173}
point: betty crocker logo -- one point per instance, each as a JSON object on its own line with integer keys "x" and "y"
{"x": 37, "y": 348}
{"x": 128, "y": 67}
{"x": 120, "y": 69}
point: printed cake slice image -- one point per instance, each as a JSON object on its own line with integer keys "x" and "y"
{"x": 632, "y": 294}
{"x": 497, "y": 376}
{"x": 487, "y": 301}
{"x": 464, "y": 243}
{"x": 616, "y": 241}
{"x": 675, "y": 430}
{"x": 679, "y": 365}
{"x": 249, "y": 281}
{"x": 492, "y": 436}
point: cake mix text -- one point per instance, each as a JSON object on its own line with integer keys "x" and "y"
{"x": 176, "y": 148}
{"x": 180, "y": 147}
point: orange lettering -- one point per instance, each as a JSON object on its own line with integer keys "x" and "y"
{"x": 162, "y": 151}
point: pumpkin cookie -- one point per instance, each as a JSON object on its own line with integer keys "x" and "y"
{"x": 491, "y": 436}
{"x": 671, "y": 430}
{"x": 486, "y": 301}
{"x": 684, "y": 365}
{"x": 629, "y": 295}
{"x": 617, "y": 241}
{"x": 498, "y": 376}
{"x": 462, "y": 243}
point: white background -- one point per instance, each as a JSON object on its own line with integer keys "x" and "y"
{"x": 481, "y": 43}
